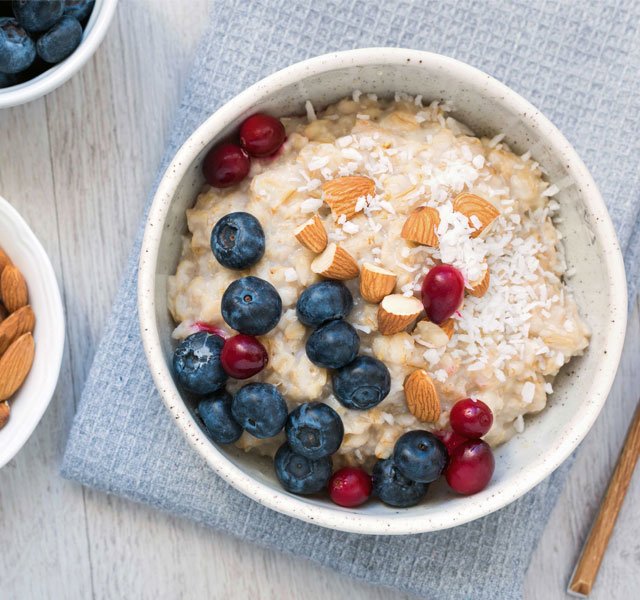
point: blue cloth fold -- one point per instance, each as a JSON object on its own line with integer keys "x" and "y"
{"x": 578, "y": 62}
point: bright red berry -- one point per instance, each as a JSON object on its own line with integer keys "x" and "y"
{"x": 225, "y": 165}
{"x": 471, "y": 418}
{"x": 442, "y": 292}
{"x": 350, "y": 486}
{"x": 261, "y": 135}
{"x": 243, "y": 356}
{"x": 470, "y": 467}
{"x": 450, "y": 439}
{"x": 202, "y": 326}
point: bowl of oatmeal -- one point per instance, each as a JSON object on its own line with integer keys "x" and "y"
{"x": 395, "y": 252}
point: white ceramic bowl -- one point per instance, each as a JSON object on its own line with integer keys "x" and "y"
{"x": 489, "y": 107}
{"x": 30, "y": 402}
{"x": 54, "y": 77}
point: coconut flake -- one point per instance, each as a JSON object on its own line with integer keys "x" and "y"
{"x": 311, "y": 113}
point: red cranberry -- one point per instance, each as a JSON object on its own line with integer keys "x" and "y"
{"x": 450, "y": 439}
{"x": 261, "y": 135}
{"x": 442, "y": 292}
{"x": 225, "y": 165}
{"x": 202, "y": 326}
{"x": 350, "y": 487}
{"x": 243, "y": 356}
{"x": 470, "y": 467}
{"x": 471, "y": 418}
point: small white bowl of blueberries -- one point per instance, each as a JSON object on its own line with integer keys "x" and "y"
{"x": 44, "y": 42}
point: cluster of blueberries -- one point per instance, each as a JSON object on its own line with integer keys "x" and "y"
{"x": 314, "y": 431}
{"x": 34, "y": 35}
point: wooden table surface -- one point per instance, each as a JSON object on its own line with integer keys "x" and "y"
{"x": 78, "y": 165}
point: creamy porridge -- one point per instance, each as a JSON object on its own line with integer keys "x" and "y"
{"x": 504, "y": 345}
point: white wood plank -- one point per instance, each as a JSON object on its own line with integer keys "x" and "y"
{"x": 43, "y": 527}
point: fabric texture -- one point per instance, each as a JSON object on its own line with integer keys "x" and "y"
{"x": 579, "y": 62}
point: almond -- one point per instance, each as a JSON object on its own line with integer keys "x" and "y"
{"x": 470, "y": 206}
{"x": 421, "y": 396}
{"x": 479, "y": 288}
{"x": 448, "y": 326}
{"x": 18, "y": 323}
{"x": 376, "y": 282}
{"x": 15, "y": 365}
{"x": 4, "y": 260}
{"x": 5, "y": 410}
{"x": 335, "y": 263}
{"x": 431, "y": 334}
{"x": 342, "y": 193}
{"x": 13, "y": 289}
{"x": 396, "y": 312}
{"x": 312, "y": 235}
{"x": 4, "y": 313}
{"x": 421, "y": 225}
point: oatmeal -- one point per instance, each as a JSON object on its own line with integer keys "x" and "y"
{"x": 363, "y": 176}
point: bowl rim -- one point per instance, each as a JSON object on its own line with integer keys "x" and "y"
{"x": 55, "y": 329}
{"x": 397, "y": 522}
{"x": 54, "y": 77}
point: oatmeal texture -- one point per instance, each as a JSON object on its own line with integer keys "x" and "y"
{"x": 507, "y": 346}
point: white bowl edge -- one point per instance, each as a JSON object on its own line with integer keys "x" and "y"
{"x": 54, "y": 77}
{"x": 32, "y": 400}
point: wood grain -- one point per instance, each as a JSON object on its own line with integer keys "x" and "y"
{"x": 596, "y": 545}
{"x": 78, "y": 165}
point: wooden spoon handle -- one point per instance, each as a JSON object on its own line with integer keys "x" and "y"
{"x": 586, "y": 570}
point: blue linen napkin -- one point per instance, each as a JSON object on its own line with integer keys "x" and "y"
{"x": 578, "y": 62}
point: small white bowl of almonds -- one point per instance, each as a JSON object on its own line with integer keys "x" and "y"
{"x": 31, "y": 332}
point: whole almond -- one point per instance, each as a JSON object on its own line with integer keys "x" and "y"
{"x": 5, "y": 411}
{"x": 376, "y": 282}
{"x": 422, "y": 397}
{"x": 4, "y": 260}
{"x": 335, "y": 263}
{"x": 342, "y": 193}
{"x": 16, "y": 324}
{"x": 479, "y": 288}
{"x": 421, "y": 225}
{"x": 13, "y": 289}
{"x": 312, "y": 235}
{"x": 396, "y": 312}
{"x": 15, "y": 365}
{"x": 480, "y": 213}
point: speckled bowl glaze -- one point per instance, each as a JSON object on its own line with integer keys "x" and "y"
{"x": 489, "y": 107}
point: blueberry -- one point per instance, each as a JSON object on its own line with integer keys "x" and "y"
{"x": 78, "y": 9}
{"x": 251, "y": 306}
{"x": 420, "y": 456}
{"x": 7, "y": 80}
{"x": 301, "y": 475}
{"x": 60, "y": 41}
{"x": 196, "y": 363}
{"x": 17, "y": 50}
{"x": 324, "y": 301}
{"x": 215, "y": 412}
{"x": 314, "y": 430}
{"x": 362, "y": 384}
{"x": 35, "y": 15}
{"x": 393, "y": 488}
{"x": 333, "y": 345}
{"x": 260, "y": 409}
{"x": 237, "y": 240}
